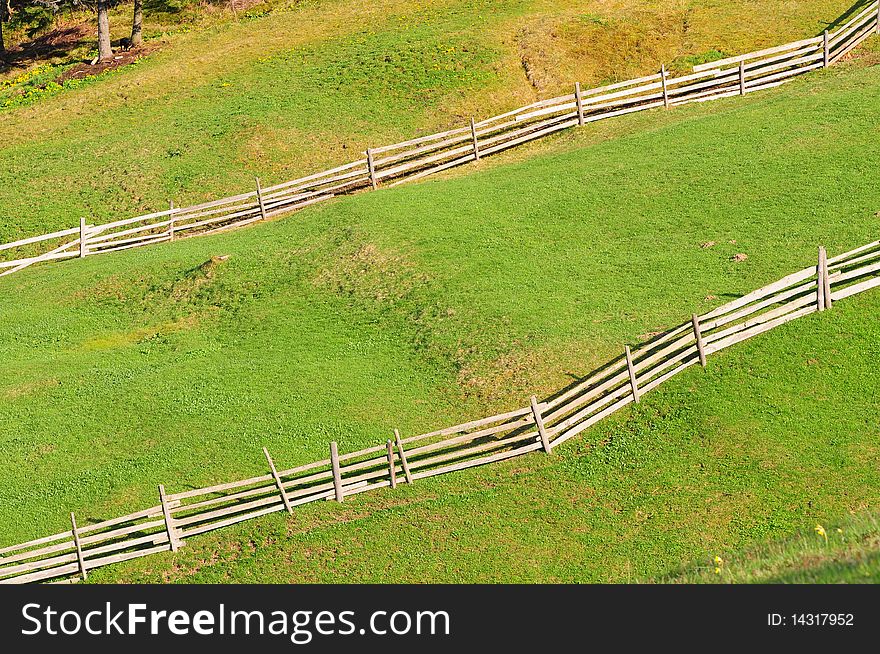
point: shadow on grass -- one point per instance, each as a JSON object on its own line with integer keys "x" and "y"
{"x": 57, "y": 42}
{"x": 845, "y": 16}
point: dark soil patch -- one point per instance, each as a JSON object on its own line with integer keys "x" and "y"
{"x": 62, "y": 42}
{"x": 120, "y": 58}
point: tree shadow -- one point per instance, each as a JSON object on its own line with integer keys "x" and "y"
{"x": 57, "y": 42}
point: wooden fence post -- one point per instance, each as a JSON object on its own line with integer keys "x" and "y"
{"x": 337, "y": 475}
{"x": 632, "y": 375}
{"x": 372, "y": 168}
{"x": 391, "y": 471}
{"x": 539, "y": 421}
{"x": 742, "y": 78}
{"x": 580, "y": 103}
{"x": 173, "y": 538}
{"x": 828, "y": 301}
{"x": 820, "y": 283}
{"x": 474, "y": 137}
{"x": 171, "y": 221}
{"x": 699, "y": 336}
{"x": 826, "y": 278}
{"x": 278, "y": 482}
{"x": 78, "y": 545}
{"x": 402, "y": 455}
{"x": 260, "y": 198}
{"x": 826, "y": 49}
{"x": 82, "y": 237}
{"x": 665, "y": 91}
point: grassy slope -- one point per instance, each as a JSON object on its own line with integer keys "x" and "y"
{"x": 438, "y": 301}
{"x": 769, "y": 440}
{"x": 848, "y": 551}
{"x": 301, "y": 90}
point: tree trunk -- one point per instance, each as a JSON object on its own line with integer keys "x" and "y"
{"x": 105, "y": 52}
{"x": 137, "y": 21}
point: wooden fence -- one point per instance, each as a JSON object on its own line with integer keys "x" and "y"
{"x": 416, "y": 158}
{"x": 544, "y": 425}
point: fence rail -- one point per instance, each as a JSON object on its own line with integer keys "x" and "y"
{"x": 71, "y": 554}
{"x": 426, "y": 155}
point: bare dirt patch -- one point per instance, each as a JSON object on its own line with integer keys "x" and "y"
{"x": 120, "y": 58}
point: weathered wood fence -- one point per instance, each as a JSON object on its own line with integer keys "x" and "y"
{"x": 537, "y": 426}
{"x": 419, "y": 157}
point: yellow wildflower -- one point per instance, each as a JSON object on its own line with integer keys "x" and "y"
{"x": 819, "y": 529}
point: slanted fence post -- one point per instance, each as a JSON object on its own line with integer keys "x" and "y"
{"x": 742, "y": 78}
{"x": 580, "y": 103}
{"x": 826, "y": 49}
{"x": 337, "y": 475}
{"x": 701, "y": 348}
{"x": 820, "y": 282}
{"x": 171, "y": 221}
{"x": 393, "y": 474}
{"x": 82, "y": 237}
{"x": 663, "y": 81}
{"x": 474, "y": 137}
{"x": 632, "y": 375}
{"x": 78, "y": 545}
{"x": 372, "y": 168}
{"x": 173, "y": 538}
{"x": 278, "y": 482}
{"x": 402, "y": 455}
{"x": 260, "y": 198}
{"x": 539, "y": 422}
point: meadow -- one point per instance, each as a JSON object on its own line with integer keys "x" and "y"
{"x": 437, "y": 302}
{"x": 285, "y": 90}
{"x": 767, "y": 443}
{"x": 433, "y": 303}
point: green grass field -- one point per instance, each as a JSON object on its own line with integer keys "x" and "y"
{"x": 437, "y": 302}
{"x": 769, "y": 441}
{"x": 443, "y": 301}
{"x": 312, "y": 84}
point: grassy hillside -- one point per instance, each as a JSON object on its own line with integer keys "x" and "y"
{"x": 436, "y": 302}
{"x": 311, "y": 84}
{"x": 769, "y": 441}
{"x": 847, "y": 550}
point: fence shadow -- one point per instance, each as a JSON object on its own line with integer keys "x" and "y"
{"x": 849, "y": 13}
